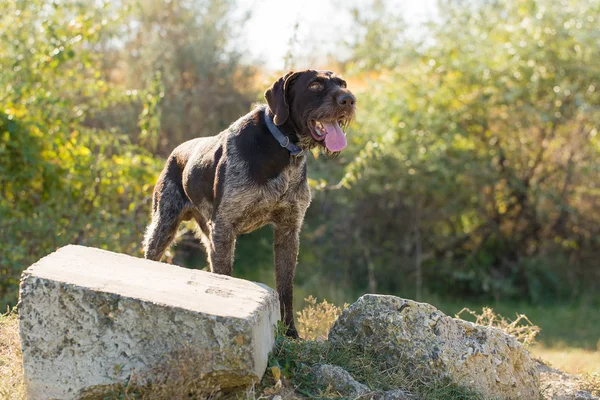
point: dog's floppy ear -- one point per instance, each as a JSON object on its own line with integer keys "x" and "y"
{"x": 276, "y": 97}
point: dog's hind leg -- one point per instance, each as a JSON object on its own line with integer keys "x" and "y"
{"x": 168, "y": 209}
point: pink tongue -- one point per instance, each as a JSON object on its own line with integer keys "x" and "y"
{"x": 335, "y": 140}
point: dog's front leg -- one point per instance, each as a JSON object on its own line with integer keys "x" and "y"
{"x": 222, "y": 246}
{"x": 286, "y": 242}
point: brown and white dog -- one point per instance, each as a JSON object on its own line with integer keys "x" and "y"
{"x": 253, "y": 174}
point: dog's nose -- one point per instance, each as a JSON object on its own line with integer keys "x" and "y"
{"x": 346, "y": 99}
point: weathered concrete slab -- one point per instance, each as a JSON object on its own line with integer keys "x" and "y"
{"x": 90, "y": 317}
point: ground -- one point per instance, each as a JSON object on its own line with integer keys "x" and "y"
{"x": 569, "y": 341}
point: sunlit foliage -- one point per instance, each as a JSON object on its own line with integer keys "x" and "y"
{"x": 62, "y": 180}
{"x": 476, "y": 165}
{"x": 473, "y": 166}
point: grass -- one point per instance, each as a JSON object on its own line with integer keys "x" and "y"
{"x": 521, "y": 328}
{"x": 293, "y": 364}
{"x": 564, "y": 325}
{"x": 569, "y": 359}
{"x": 298, "y": 361}
{"x": 316, "y": 319}
{"x": 11, "y": 363}
{"x": 569, "y": 337}
{"x": 591, "y": 383}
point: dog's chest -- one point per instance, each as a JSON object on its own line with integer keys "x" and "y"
{"x": 282, "y": 195}
{"x": 285, "y": 186}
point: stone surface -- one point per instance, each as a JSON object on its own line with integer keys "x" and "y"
{"x": 340, "y": 381}
{"x": 90, "y": 318}
{"x": 397, "y": 395}
{"x": 557, "y": 385}
{"x": 432, "y": 345}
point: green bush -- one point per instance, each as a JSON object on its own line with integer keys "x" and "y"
{"x": 473, "y": 169}
{"x": 62, "y": 181}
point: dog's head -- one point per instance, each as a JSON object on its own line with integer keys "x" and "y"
{"x": 316, "y": 104}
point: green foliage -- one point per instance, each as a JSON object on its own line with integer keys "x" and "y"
{"x": 204, "y": 87}
{"x": 475, "y": 154}
{"x": 472, "y": 168}
{"x": 63, "y": 181}
{"x": 89, "y": 93}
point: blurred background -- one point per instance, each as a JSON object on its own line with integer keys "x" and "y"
{"x": 472, "y": 175}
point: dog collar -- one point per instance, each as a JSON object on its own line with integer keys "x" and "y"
{"x": 283, "y": 140}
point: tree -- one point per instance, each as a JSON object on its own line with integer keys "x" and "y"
{"x": 206, "y": 86}
{"x": 488, "y": 128}
{"x": 62, "y": 181}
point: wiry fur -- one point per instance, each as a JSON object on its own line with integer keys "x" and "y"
{"x": 242, "y": 179}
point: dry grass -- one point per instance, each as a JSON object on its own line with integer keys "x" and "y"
{"x": 572, "y": 360}
{"x": 316, "y": 319}
{"x": 569, "y": 359}
{"x": 298, "y": 360}
{"x": 591, "y": 383}
{"x": 521, "y": 328}
{"x": 11, "y": 363}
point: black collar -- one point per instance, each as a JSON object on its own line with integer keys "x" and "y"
{"x": 283, "y": 140}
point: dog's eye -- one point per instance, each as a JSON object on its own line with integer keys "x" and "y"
{"x": 315, "y": 86}
{"x": 343, "y": 84}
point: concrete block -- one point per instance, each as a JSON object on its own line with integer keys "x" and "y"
{"x": 91, "y": 318}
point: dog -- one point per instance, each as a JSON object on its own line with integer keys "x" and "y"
{"x": 253, "y": 174}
